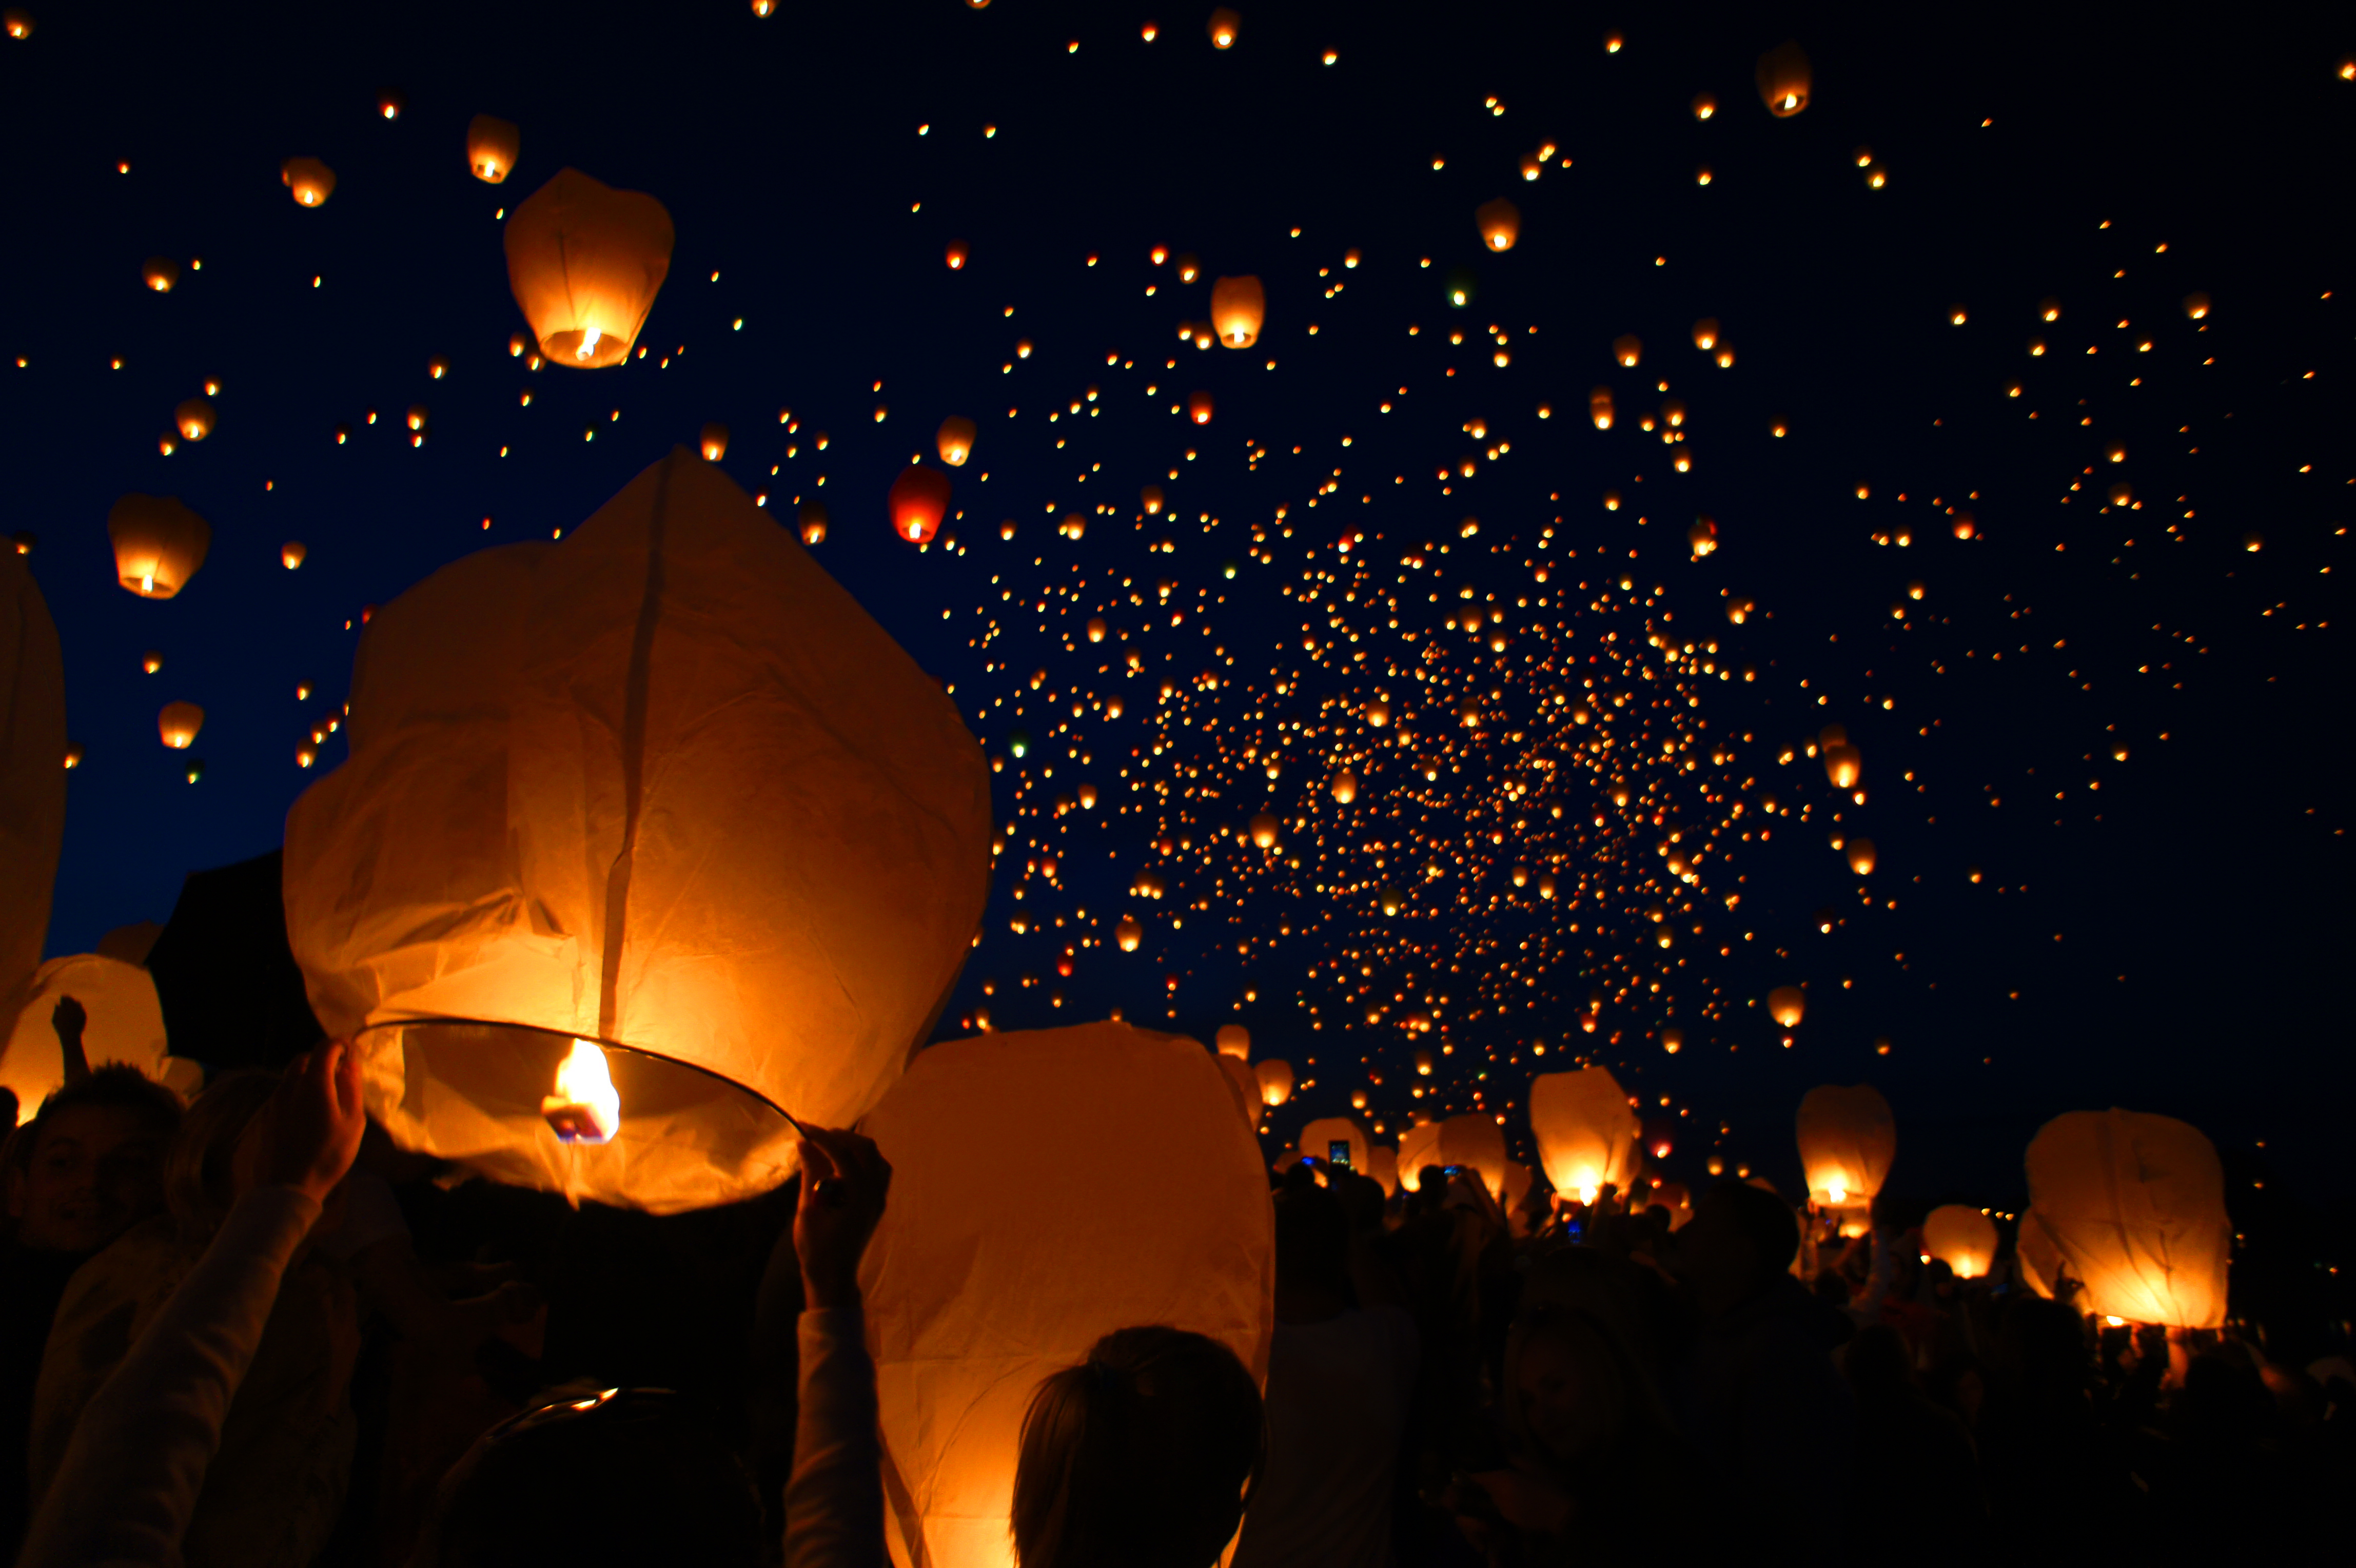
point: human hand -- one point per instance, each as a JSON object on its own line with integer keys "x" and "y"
{"x": 308, "y": 1134}
{"x": 844, "y": 1179}
{"x": 69, "y": 1018}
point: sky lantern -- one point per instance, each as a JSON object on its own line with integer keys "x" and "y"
{"x": 124, "y": 1024}
{"x": 32, "y": 785}
{"x": 1318, "y": 1138}
{"x": 1128, "y": 933}
{"x": 1474, "y": 1139}
{"x": 1244, "y": 1085}
{"x": 1628, "y": 348}
{"x": 194, "y": 418}
{"x": 955, "y": 440}
{"x": 1586, "y": 1132}
{"x": 1265, "y": 830}
{"x": 1198, "y": 407}
{"x": 16, "y": 24}
{"x": 1234, "y": 1040}
{"x": 1848, "y": 1139}
{"x": 1962, "y": 1237}
{"x": 716, "y": 442}
{"x": 1382, "y": 1164}
{"x": 493, "y": 145}
{"x": 919, "y": 499}
{"x": 1149, "y": 498}
{"x": 1702, "y": 536}
{"x": 811, "y": 516}
{"x": 177, "y": 725}
{"x": 2135, "y": 1205}
{"x": 662, "y": 788}
{"x": 1599, "y": 407}
{"x": 1783, "y": 80}
{"x": 585, "y": 263}
{"x": 1706, "y": 333}
{"x": 1274, "y": 1077}
{"x": 1097, "y": 628}
{"x": 1786, "y": 1004}
{"x": 311, "y": 182}
{"x": 159, "y": 543}
{"x": 1345, "y": 787}
{"x": 159, "y": 272}
{"x": 1239, "y": 308}
{"x": 1222, "y": 28}
{"x": 292, "y": 555}
{"x": 955, "y": 254}
{"x": 2196, "y": 306}
{"x": 1500, "y": 222}
{"x": 2038, "y": 1259}
{"x": 1860, "y": 856}
{"x": 971, "y": 1299}
{"x": 1419, "y": 1147}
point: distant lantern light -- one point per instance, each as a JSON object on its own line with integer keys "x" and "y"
{"x": 1150, "y": 498}
{"x": 1222, "y": 28}
{"x": 194, "y": 419}
{"x": 1961, "y": 1236}
{"x": 311, "y": 182}
{"x": 1860, "y": 856}
{"x": 1628, "y": 348}
{"x": 493, "y": 145}
{"x": 177, "y": 725}
{"x": 585, "y": 263}
{"x": 1704, "y": 106}
{"x": 1702, "y": 536}
{"x": 1238, "y": 308}
{"x": 1500, "y": 222}
{"x": 158, "y": 545}
{"x": 714, "y": 442}
{"x": 1784, "y": 78}
{"x": 1345, "y": 787}
{"x": 1265, "y": 830}
{"x": 954, "y": 440}
{"x": 292, "y": 555}
{"x": 811, "y": 516}
{"x": 919, "y": 499}
{"x": 955, "y": 256}
{"x": 1198, "y": 407}
{"x": 1128, "y": 933}
{"x": 2196, "y": 306}
{"x": 1787, "y": 1005}
{"x": 1274, "y": 1077}
{"x": 1598, "y": 408}
{"x": 159, "y": 272}
{"x": 1706, "y": 333}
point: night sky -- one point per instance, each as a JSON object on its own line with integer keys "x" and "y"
{"x": 2164, "y": 932}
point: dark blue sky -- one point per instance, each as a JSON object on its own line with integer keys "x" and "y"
{"x": 2173, "y": 938}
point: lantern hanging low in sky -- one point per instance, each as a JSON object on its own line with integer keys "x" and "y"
{"x": 714, "y": 442}
{"x": 1787, "y": 1005}
{"x": 811, "y": 516}
{"x": 1628, "y": 349}
{"x": 1345, "y": 787}
{"x": 159, "y": 272}
{"x": 159, "y": 543}
{"x": 1150, "y": 498}
{"x": 919, "y": 499}
{"x": 954, "y": 440}
{"x": 1265, "y": 829}
{"x": 663, "y": 787}
{"x": 1319, "y": 1137}
{"x": 1586, "y": 1132}
{"x": 1238, "y": 309}
{"x": 493, "y": 145}
{"x": 1274, "y": 1077}
{"x": 972, "y": 1297}
{"x": 1599, "y": 407}
{"x": 1500, "y": 222}
{"x": 1848, "y": 1139}
{"x": 194, "y": 419}
{"x": 1235, "y": 1040}
{"x": 1198, "y": 407}
{"x": 311, "y": 182}
{"x": 1784, "y": 78}
{"x": 32, "y": 785}
{"x": 2136, "y": 1206}
{"x": 124, "y": 1024}
{"x": 1962, "y": 1237}
{"x": 1222, "y": 28}
{"x": 1860, "y": 856}
{"x": 585, "y": 263}
{"x": 178, "y": 723}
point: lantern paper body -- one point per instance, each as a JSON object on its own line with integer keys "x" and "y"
{"x": 1001, "y": 1260}
{"x": 919, "y": 499}
{"x": 1787, "y": 1005}
{"x": 1235, "y": 1040}
{"x": 1238, "y": 308}
{"x": 1246, "y": 1083}
{"x": 32, "y": 775}
{"x": 492, "y": 147}
{"x": 1963, "y": 1238}
{"x": 178, "y": 725}
{"x": 1476, "y": 1140}
{"x": 954, "y": 440}
{"x": 1419, "y": 1147}
{"x": 1586, "y": 1131}
{"x": 311, "y": 182}
{"x": 2136, "y": 1206}
{"x": 126, "y": 1024}
{"x": 585, "y": 261}
{"x": 1783, "y": 80}
{"x": 1848, "y": 1139}
{"x": 1317, "y": 1140}
{"x": 663, "y": 786}
{"x": 1500, "y": 222}
{"x": 158, "y": 545}
{"x": 1382, "y": 1164}
{"x": 1275, "y": 1080}
{"x": 2040, "y": 1259}
{"x": 713, "y": 442}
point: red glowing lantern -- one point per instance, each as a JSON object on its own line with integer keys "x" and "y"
{"x": 920, "y": 498}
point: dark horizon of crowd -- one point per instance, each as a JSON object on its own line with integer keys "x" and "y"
{"x": 252, "y": 1331}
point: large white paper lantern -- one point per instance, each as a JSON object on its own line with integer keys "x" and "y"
{"x": 1586, "y": 1132}
{"x": 2135, "y": 1205}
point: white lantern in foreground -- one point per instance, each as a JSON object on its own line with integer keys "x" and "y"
{"x": 664, "y": 790}
{"x": 1046, "y": 1189}
{"x": 1962, "y": 1237}
{"x": 32, "y": 775}
{"x": 1848, "y": 1139}
{"x": 1586, "y": 1132}
{"x": 2135, "y": 1205}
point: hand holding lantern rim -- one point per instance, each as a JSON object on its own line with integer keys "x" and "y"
{"x": 845, "y": 1180}
{"x": 309, "y": 1134}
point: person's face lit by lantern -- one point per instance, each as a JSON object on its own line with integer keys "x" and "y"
{"x": 1570, "y": 1388}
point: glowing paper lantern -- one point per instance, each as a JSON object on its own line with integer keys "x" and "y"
{"x": 1475, "y": 1141}
{"x": 292, "y": 555}
{"x": 1318, "y": 1138}
{"x": 1238, "y": 308}
{"x": 1345, "y": 787}
{"x": 955, "y": 440}
{"x": 493, "y": 144}
{"x": 1198, "y": 407}
{"x": 2136, "y": 1206}
{"x": 178, "y": 723}
{"x": 662, "y": 787}
{"x": 311, "y": 182}
{"x": 811, "y": 516}
{"x": 1860, "y": 856}
{"x": 1419, "y": 1147}
{"x": 159, "y": 272}
{"x": 1149, "y": 498}
{"x": 1848, "y": 1139}
{"x": 1222, "y": 28}
{"x": 1787, "y": 1005}
{"x": 1783, "y": 80}
{"x": 585, "y": 263}
{"x": 1586, "y": 1131}
{"x": 32, "y": 785}
{"x": 1599, "y": 407}
{"x": 1265, "y": 831}
{"x": 714, "y": 442}
{"x": 1128, "y": 933}
{"x": 971, "y": 1299}
{"x": 1706, "y": 333}
{"x": 919, "y": 499}
{"x": 2040, "y": 1259}
{"x": 1844, "y": 764}
{"x": 1500, "y": 222}
{"x": 955, "y": 256}
{"x": 1962, "y": 1237}
{"x": 1246, "y": 1085}
{"x": 194, "y": 419}
{"x": 125, "y": 1025}
{"x": 1628, "y": 348}
{"x": 1383, "y": 1165}
{"x": 1235, "y": 1040}
{"x": 1274, "y": 1077}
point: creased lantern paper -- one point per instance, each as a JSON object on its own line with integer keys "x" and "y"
{"x": 1848, "y": 1139}
{"x": 124, "y": 1024}
{"x": 32, "y": 775}
{"x": 662, "y": 786}
{"x": 2135, "y": 1205}
{"x": 1047, "y": 1188}
{"x": 1586, "y": 1132}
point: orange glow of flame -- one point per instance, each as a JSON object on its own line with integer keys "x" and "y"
{"x": 586, "y": 1108}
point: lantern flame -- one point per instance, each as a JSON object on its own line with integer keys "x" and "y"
{"x": 586, "y": 1108}
{"x": 588, "y": 343}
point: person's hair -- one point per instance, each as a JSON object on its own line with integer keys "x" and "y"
{"x": 621, "y": 1476}
{"x": 1313, "y": 1239}
{"x": 1763, "y": 1219}
{"x": 1140, "y": 1456}
{"x": 201, "y": 1180}
{"x": 1582, "y": 1329}
{"x": 116, "y": 1086}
